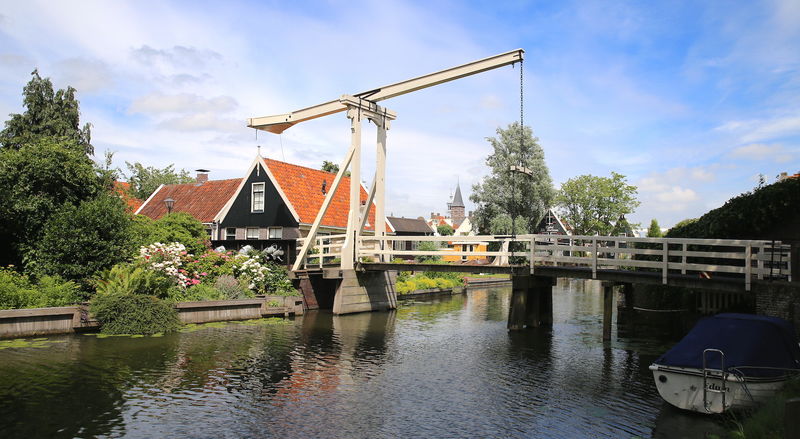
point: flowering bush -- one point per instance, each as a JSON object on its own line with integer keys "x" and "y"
{"x": 169, "y": 258}
{"x": 189, "y": 271}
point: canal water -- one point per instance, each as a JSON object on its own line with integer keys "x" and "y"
{"x": 433, "y": 368}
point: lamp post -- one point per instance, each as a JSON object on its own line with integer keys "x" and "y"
{"x": 169, "y": 202}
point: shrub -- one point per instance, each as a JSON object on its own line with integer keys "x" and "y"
{"x": 55, "y": 291}
{"x": 175, "y": 227}
{"x": 134, "y": 314}
{"x": 132, "y": 279}
{"x": 196, "y": 293}
{"x": 18, "y": 291}
{"x": 15, "y": 289}
{"x": 79, "y": 241}
{"x": 229, "y": 287}
{"x": 214, "y": 264}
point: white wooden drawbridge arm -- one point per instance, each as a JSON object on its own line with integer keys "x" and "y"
{"x": 280, "y": 123}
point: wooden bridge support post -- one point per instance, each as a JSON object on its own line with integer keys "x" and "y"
{"x": 531, "y": 302}
{"x": 608, "y": 308}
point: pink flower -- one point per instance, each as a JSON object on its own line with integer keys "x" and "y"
{"x": 183, "y": 252}
{"x": 204, "y": 274}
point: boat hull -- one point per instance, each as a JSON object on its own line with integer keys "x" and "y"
{"x": 683, "y": 388}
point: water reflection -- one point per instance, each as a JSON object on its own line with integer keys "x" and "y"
{"x": 444, "y": 367}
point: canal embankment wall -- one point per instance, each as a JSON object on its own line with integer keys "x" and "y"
{"x": 70, "y": 319}
{"x": 471, "y": 283}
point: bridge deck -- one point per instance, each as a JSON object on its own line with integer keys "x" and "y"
{"x": 719, "y": 283}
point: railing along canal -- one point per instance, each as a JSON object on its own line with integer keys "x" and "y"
{"x": 703, "y": 257}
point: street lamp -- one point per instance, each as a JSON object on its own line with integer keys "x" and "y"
{"x": 169, "y": 202}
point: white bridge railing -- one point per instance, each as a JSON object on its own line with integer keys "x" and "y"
{"x": 703, "y": 257}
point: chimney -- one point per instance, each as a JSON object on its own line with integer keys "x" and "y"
{"x": 783, "y": 176}
{"x": 202, "y": 175}
{"x": 431, "y": 214}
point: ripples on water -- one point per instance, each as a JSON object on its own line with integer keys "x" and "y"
{"x": 439, "y": 368}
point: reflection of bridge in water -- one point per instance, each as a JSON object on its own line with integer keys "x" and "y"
{"x": 534, "y": 262}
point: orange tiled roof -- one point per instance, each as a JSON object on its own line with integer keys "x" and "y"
{"x": 303, "y": 188}
{"x": 123, "y": 189}
{"x": 202, "y": 201}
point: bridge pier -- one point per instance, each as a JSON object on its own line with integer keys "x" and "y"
{"x": 531, "y": 302}
{"x": 361, "y": 291}
{"x": 608, "y": 309}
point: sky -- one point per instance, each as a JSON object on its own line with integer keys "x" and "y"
{"x": 691, "y": 101}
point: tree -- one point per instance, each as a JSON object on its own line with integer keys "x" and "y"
{"x": 47, "y": 113}
{"x": 35, "y": 181}
{"x": 79, "y": 241}
{"x": 444, "y": 229}
{"x": 145, "y": 180}
{"x": 593, "y": 205}
{"x": 175, "y": 227}
{"x": 504, "y": 194}
{"x": 655, "y": 230}
{"x": 333, "y": 168}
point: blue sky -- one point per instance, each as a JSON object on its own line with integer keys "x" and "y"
{"x": 690, "y": 100}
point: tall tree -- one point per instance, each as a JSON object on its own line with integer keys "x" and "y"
{"x": 145, "y": 180}
{"x": 593, "y": 205}
{"x": 505, "y": 194}
{"x": 331, "y": 167}
{"x": 35, "y": 181}
{"x": 654, "y": 231}
{"x": 48, "y": 113}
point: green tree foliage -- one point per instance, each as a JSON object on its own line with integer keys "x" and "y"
{"x": 593, "y": 205}
{"x": 654, "y": 231}
{"x": 79, "y": 241}
{"x": 48, "y": 113}
{"x": 333, "y": 168}
{"x": 145, "y": 180}
{"x": 175, "y": 227}
{"x": 427, "y": 246}
{"x": 766, "y": 213}
{"x": 503, "y": 193}
{"x": 444, "y": 229}
{"x": 36, "y": 180}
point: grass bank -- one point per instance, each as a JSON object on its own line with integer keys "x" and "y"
{"x": 766, "y": 422}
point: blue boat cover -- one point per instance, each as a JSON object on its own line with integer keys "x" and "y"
{"x": 746, "y": 340}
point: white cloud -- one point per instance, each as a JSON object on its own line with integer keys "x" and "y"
{"x": 676, "y": 197}
{"x": 86, "y": 75}
{"x": 756, "y": 130}
{"x": 176, "y": 56}
{"x": 762, "y": 151}
{"x": 202, "y": 122}
{"x": 181, "y": 103}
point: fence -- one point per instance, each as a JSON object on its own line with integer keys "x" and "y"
{"x": 747, "y": 259}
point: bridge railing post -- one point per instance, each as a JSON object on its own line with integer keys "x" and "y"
{"x": 683, "y": 258}
{"x": 594, "y": 258}
{"x": 748, "y": 266}
{"x": 665, "y": 267}
{"x": 533, "y": 252}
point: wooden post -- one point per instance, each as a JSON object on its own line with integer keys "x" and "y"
{"x": 665, "y": 269}
{"x": 594, "y": 258}
{"x": 683, "y": 260}
{"x": 791, "y": 419}
{"x": 519, "y": 300}
{"x": 380, "y": 187}
{"x": 608, "y": 304}
{"x": 533, "y": 314}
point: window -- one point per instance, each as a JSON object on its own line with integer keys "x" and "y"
{"x": 230, "y": 233}
{"x": 252, "y": 233}
{"x": 257, "y": 204}
{"x": 276, "y": 233}
{"x": 208, "y": 231}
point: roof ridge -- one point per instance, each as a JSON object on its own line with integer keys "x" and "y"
{"x": 301, "y": 166}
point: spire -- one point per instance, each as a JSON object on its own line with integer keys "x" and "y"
{"x": 457, "y": 200}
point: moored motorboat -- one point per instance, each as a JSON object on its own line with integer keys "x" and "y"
{"x": 728, "y": 361}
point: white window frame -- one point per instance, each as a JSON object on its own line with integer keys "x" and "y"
{"x": 228, "y": 235}
{"x": 257, "y": 188}
{"x": 278, "y": 235}
{"x": 252, "y": 233}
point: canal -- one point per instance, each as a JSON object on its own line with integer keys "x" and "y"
{"x": 442, "y": 367}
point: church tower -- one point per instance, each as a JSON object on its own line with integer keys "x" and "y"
{"x": 456, "y": 207}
